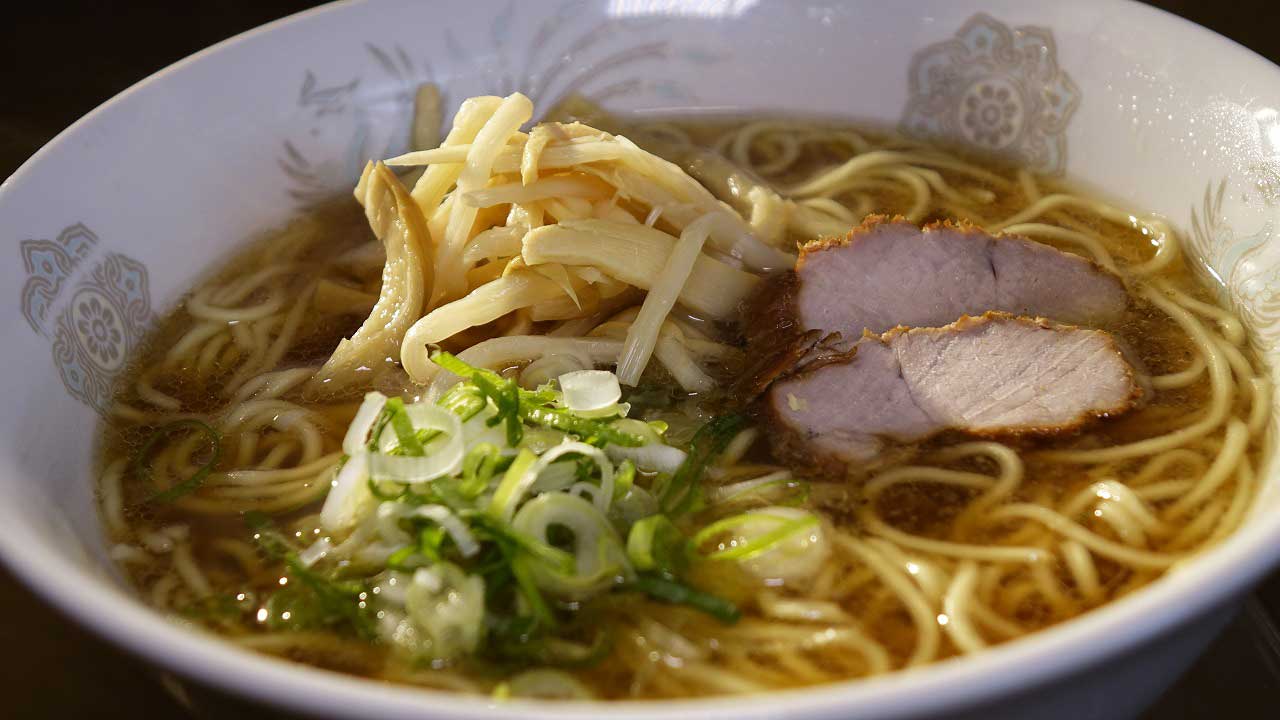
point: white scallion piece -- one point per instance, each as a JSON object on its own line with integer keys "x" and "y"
{"x": 443, "y": 455}
{"x": 655, "y": 457}
{"x": 350, "y": 498}
{"x": 755, "y": 486}
{"x": 795, "y": 556}
{"x": 447, "y": 605}
{"x": 315, "y": 552}
{"x": 509, "y": 495}
{"x": 497, "y": 352}
{"x": 586, "y": 390}
{"x": 452, "y": 524}
{"x": 409, "y": 469}
{"x": 358, "y": 432}
{"x": 599, "y": 558}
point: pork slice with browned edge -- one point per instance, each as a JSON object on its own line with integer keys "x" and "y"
{"x": 990, "y": 376}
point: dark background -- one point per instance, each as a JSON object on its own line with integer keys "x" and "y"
{"x": 59, "y": 60}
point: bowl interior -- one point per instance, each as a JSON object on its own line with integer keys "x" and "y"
{"x": 115, "y": 218}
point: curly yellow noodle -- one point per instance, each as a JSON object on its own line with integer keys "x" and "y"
{"x": 1029, "y": 537}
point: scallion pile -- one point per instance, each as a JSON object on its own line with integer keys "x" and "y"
{"x": 485, "y": 525}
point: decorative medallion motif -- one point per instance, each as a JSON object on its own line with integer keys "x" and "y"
{"x": 96, "y": 313}
{"x": 996, "y": 88}
{"x": 48, "y": 264}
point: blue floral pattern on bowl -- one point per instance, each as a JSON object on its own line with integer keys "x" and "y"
{"x": 96, "y": 313}
{"x": 997, "y": 89}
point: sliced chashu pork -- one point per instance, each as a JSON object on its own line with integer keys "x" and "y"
{"x": 888, "y": 273}
{"x": 989, "y": 376}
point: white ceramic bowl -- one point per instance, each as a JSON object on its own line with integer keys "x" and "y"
{"x": 117, "y": 216}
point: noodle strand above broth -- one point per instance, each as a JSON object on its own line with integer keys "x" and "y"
{"x": 387, "y": 439}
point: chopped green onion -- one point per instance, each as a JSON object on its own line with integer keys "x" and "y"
{"x": 463, "y": 400}
{"x": 545, "y": 395}
{"x": 503, "y": 392}
{"x": 624, "y": 479}
{"x": 450, "y": 362}
{"x": 667, "y": 589}
{"x": 142, "y": 469}
{"x": 439, "y": 492}
{"x": 639, "y": 428}
{"x": 478, "y": 469}
{"x": 680, "y": 494}
{"x": 375, "y": 487}
{"x": 406, "y": 460}
{"x": 337, "y": 603}
{"x": 589, "y": 390}
{"x": 430, "y": 541}
{"x": 375, "y": 434}
{"x": 599, "y": 559}
{"x": 294, "y": 608}
{"x": 592, "y": 431}
{"x": 357, "y": 436}
{"x": 753, "y": 547}
{"x": 403, "y": 427}
{"x": 513, "y": 485}
{"x": 429, "y": 550}
{"x": 654, "y": 543}
{"x": 530, "y": 512}
{"x": 531, "y": 406}
{"x": 762, "y": 488}
{"x": 530, "y": 592}
{"x": 399, "y": 559}
{"x": 505, "y": 395}
{"x": 557, "y": 559}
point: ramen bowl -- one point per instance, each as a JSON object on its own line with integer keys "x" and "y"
{"x": 120, "y": 213}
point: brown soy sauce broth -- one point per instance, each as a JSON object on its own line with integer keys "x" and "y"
{"x": 313, "y": 243}
{"x": 320, "y": 240}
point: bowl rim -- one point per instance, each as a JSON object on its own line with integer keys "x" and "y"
{"x": 1176, "y": 598}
